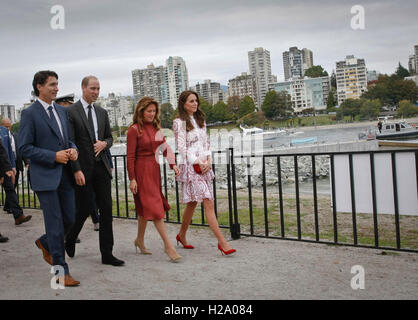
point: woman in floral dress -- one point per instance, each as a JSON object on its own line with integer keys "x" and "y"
{"x": 196, "y": 173}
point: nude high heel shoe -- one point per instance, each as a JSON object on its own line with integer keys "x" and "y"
{"x": 173, "y": 258}
{"x": 142, "y": 250}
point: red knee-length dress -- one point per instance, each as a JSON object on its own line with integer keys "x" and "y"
{"x": 143, "y": 166}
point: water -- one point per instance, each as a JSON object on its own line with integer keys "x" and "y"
{"x": 329, "y": 135}
{"x": 324, "y": 135}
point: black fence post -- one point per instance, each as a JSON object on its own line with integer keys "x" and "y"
{"x": 235, "y": 228}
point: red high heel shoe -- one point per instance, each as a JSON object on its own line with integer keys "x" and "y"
{"x": 226, "y": 252}
{"x": 185, "y": 246}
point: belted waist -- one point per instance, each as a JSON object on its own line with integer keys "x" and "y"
{"x": 145, "y": 157}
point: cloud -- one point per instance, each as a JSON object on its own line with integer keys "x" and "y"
{"x": 110, "y": 39}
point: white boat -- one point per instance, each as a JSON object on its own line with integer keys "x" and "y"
{"x": 399, "y": 130}
{"x": 260, "y": 132}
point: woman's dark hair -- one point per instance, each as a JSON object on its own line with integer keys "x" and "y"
{"x": 199, "y": 116}
{"x": 40, "y": 78}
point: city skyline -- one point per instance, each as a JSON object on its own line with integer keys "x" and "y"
{"x": 213, "y": 38}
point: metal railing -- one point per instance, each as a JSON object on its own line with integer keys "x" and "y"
{"x": 279, "y": 209}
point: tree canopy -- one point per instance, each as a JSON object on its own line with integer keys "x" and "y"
{"x": 315, "y": 72}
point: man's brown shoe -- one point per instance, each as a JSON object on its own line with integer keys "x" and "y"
{"x": 46, "y": 254}
{"x": 21, "y": 219}
{"x": 69, "y": 281}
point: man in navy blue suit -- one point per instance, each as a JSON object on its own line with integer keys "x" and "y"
{"x": 44, "y": 140}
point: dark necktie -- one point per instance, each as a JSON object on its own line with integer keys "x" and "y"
{"x": 54, "y": 122}
{"x": 90, "y": 120}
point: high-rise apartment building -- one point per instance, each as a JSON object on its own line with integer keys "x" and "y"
{"x": 306, "y": 93}
{"x": 259, "y": 63}
{"x": 150, "y": 82}
{"x": 307, "y": 59}
{"x": 372, "y": 75}
{"x": 177, "y": 77}
{"x": 243, "y": 85}
{"x": 163, "y": 83}
{"x": 411, "y": 64}
{"x": 210, "y": 91}
{"x": 351, "y": 78}
{"x": 416, "y": 57}
{"x": 8, "y": 111}
{"x": 296, "y": 61}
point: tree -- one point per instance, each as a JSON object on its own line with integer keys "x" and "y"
{"x": 390, "y": 90}
{"x": 333, "y": 80}
{"x": 370, "y": 109}
{"x": 206, "y": 107}
{"x": 350, "y": 107}
{"x": 233, "y": 106}
{"x": 407, "y": 109}
{"x": 401, "y": 72}
{"x": 166, "y": 115}
{"x": 284, "y": 104}
{"x": 246, "y": 106}
{"x": 331, "y": 101}
{"x": 15, "y": 127}
{"x": 253, "y": 119}
{"x": 315, "y": 72}
{"x": 220, "y": 112}
{"x": 270, "y": 106}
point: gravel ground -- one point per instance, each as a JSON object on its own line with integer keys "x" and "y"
{"x": 261, "y": 269}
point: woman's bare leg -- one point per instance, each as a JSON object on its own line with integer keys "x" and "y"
{"x": 142, "y": 226}
{"x": 213, "y": 223}
{"x": 187, "y": 219}
{"x": 169, "y": 247}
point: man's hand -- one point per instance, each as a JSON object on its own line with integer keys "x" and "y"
{"x": 72, "y": 154}
{"x": 79, "y": 178}
{"x": 99, "y": 146}
{"x": 11, "y": 175}
{"x": 62, "y": 156}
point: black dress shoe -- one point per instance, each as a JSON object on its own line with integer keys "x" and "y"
{"x": 70, "y": 248}
{"x": 3, "y": 239}
{"x": 113, "y": 261}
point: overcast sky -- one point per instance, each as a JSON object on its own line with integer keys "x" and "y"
{"x": 111, "y": 38}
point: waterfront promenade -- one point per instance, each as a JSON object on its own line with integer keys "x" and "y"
{"x": 262, "y": 268}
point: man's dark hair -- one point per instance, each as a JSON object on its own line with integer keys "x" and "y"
{"x": 40, "y": 78}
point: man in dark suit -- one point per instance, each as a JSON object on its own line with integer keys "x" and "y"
{"x": 5, "y": 170}
{"x": 7, "y": 123}
{"x": 44, "y": 139}
{"x": 12, "y": 203}
{"x": 91, "y": 133}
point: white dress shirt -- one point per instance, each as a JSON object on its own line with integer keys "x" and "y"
{"x": 12, "y": 142}
{"x": 93, "y": 114}
{"x": 46, "y": 106}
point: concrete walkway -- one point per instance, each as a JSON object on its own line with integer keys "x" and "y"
{"x": 261, "y": 269}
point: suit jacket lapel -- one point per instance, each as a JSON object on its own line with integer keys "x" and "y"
{"x": 48, "y": 120}
{"x": 63, "y": 119}
{"x": 84, "y": 119}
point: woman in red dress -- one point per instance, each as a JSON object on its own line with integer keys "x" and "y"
{"x": 144, "y": 140}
